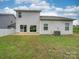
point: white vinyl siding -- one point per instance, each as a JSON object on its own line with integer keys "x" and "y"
{"x": 28, "y": 18}
{"x": 56, "y": 26}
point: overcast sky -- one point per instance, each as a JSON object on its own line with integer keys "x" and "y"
{"x": 66, "y": 8}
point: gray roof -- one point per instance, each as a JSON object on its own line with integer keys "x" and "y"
{"x": 2, "y": 14}
{"x": 19, "y": 10}
{"x": 55, "y": 18}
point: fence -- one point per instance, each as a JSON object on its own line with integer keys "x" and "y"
{"x": 4, "y": 32}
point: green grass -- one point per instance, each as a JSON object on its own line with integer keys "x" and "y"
{"x": 76, "y": 29}
{"x": 39, "y": 47}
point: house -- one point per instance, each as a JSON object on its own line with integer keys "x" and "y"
{"x": 7, "y": 24}
{"x": 7, "y": 21}
{"x": 30, "y": 22}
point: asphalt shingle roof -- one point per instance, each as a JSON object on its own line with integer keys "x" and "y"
{"x": 55, "y": 18}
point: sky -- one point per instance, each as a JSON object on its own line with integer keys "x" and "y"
{"x": 64, "y": 8}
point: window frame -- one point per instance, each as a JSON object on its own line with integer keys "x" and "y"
{"x": 19, "y": 14}
{"x": 23, "y": 28}
{"x": 67, "y": 25}
{"x": 45, "y": 27}
{"x": 33, "y": 30}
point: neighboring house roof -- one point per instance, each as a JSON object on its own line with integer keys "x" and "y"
{"x": 7, "y": 15}
{"x": 28, "y": 10}
{"x": 55, "y": 18}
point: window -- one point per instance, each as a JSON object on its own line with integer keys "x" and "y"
{"x": 45, "y": 26}
{"x": 33, "y": 28}
{"x": 19, "y": 15}
{"x": 23, "y": 28}
{"x": 66, "y": 26}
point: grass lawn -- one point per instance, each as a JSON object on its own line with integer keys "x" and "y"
{"x": 39, "y": 47}
{"x": 76, "y": 29}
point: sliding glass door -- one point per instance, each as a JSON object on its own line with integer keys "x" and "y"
{"x": 23, "y": 28}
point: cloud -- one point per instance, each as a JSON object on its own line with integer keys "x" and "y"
{"x": 43, "y": 5}
{"x": 21, "y": 7}
{"x": 47, "y": 9}
{"x": 8, "y": 10}
{"x": 69, "y": 11}
{"x": 72, "y": 9}
{"x": 49, "y": 13}
{"x": 70, "y": 14}
{"x": 76, "y": 22}
{"x": 27, "y": 1}
{"x": 35, "y": 4}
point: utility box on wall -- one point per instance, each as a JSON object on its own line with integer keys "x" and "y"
{"x": 57, "y": 33}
